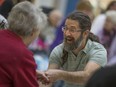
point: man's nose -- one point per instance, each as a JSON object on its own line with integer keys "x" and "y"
{"x": 67, "y": 33}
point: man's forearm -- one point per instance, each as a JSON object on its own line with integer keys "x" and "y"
{"x": 79, "y": 77}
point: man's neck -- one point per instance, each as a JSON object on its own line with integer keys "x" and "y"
{"x": 76, "y": 51}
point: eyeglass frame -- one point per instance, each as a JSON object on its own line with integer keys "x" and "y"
{"x": 64, "y": 29}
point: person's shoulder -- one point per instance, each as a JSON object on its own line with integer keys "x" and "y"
{"x": 58, "y": 49}
{"x": 98, "y": 54}
{"x": 13, "y": 43}
{"x": 95, "y": 46}
{"x": 98, "y": 48}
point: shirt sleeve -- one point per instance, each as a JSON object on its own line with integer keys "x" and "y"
{"x": 55, "y": 56}
{"x": 99, "y": 56}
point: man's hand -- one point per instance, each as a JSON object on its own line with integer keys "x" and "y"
{"x": 53, "y": 74}
{"x": 42, "y": 77}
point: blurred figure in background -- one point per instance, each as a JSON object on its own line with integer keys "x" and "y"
{"x": 108, "y": 33}
{"x": 111, "y": 6}
{"x": 86, "y": 7}
{"x": 48, "y": 34}
{"x": 17, "y": 1}
{"x": 6, "y": 6}
{"x": 112, "y": 53}
{"x": 99, "y": 21}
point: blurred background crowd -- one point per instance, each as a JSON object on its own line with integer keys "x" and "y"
{"x": 101, "y": 12}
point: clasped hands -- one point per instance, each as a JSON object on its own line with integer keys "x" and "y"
{"x": 48, "y": 76}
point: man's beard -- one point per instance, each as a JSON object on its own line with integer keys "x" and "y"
{"x": 74, "y": 45}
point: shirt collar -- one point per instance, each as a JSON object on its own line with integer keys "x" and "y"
{"x": 87, "y": 47}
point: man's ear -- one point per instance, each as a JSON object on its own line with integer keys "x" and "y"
{"x": 86, "y": 33}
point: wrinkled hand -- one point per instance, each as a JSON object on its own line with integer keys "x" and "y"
{"x": 42, "y": 77}
{"x": 53, "y": 75}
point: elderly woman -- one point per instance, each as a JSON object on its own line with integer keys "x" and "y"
{"x": 107, "y": 34}
{"x": 17, "y": 65}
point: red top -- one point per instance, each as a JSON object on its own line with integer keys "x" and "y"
{"x": 1, "y": 2}
{"x": 17, "y": 65}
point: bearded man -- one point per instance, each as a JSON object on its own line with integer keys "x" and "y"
{"x": 80, "y": 54}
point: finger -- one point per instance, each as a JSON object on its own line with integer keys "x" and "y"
{"x": 46, "y": 78}
{"x": 45, "y": 83}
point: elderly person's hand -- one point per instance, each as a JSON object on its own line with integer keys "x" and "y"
{"x": 42, "y": 77}
{"x": 53, "y": 75}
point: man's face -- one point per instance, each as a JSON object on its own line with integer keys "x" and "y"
{"x": 72, "y": 35}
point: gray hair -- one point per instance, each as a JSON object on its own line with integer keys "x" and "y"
{"x": 25, "y": 18}
{"x": 112, "y": 15}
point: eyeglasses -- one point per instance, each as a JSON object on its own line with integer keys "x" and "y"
{"x": 64, "y": 29}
